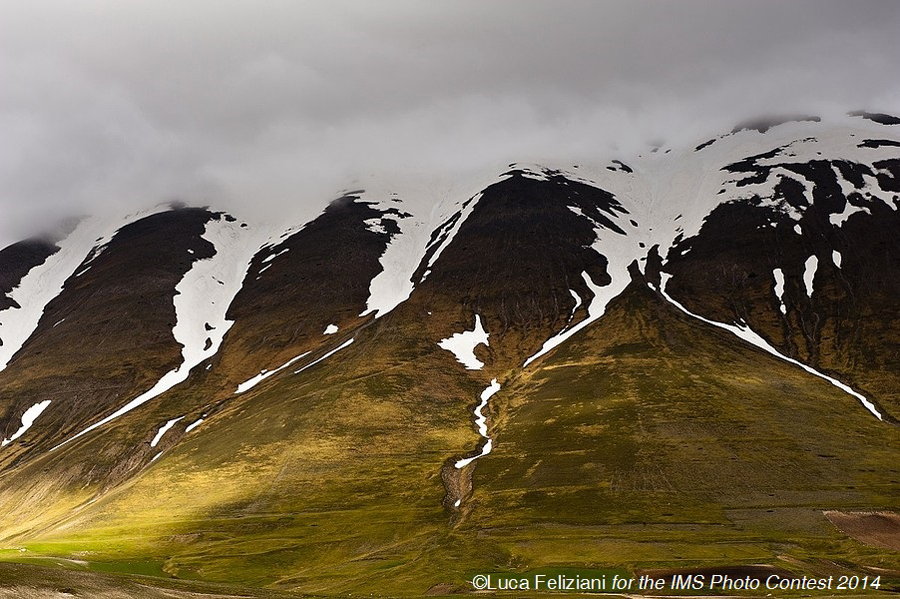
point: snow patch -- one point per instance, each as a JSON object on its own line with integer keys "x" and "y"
{"x": 847, "y": 187}
{"x": 809, "y": 273}
{"x": 264, "y": 374}
{"x": 375, "y": 226}
{"x": 28, "y": 419}
{"x": 481, "y": 423}
{"x": 204, "y": 294}
{"x": 393, "y": 285}
{"x": 838, "y": 220}
{"x": 271, "y": 257}
{"x": 577, "y": 304}
{"x": 462, "y": 345}
{"x": 331, "y": 329}
{"x": 577, "y": 211}
{"x": 163, "y": 430}
{"x": 426, "y": 204}
{"x": 192, "y": 426}
{"x": 836, "y": 258}
{"x": 779, "y": 288}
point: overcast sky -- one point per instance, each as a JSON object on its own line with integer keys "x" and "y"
{"x": 113, "y": 104}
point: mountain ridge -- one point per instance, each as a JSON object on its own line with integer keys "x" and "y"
{"x": 419, "y": 368}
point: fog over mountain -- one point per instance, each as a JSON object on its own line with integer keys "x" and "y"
{"x": 272, "y": 108}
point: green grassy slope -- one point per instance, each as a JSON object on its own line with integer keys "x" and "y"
{"x": 649, "y": 440}
{"x": 28, "y": 581}
{"x": 655, "y": 440}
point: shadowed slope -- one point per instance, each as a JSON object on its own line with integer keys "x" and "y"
{"x": 114, "y": 317}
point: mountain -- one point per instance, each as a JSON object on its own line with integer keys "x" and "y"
{"x": 680, "y": 361}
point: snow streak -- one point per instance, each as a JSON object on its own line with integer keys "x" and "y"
{"x": 28, "y": 419}
{"x": 201, "y": 300}
{"x": 481, "y": 423}
{"x": 163, "y": 430}
{"x": 750, "y": 336}
{"x": 263, "y": 375}
{"x": 328, "y": 355}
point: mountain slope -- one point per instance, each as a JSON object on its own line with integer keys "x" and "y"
{"x": 679, "y": 358}
{"x": 120, "y": 294}
{"x": 653, "y": 437}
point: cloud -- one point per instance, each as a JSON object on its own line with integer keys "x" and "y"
{"x": 274, "y": 106}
